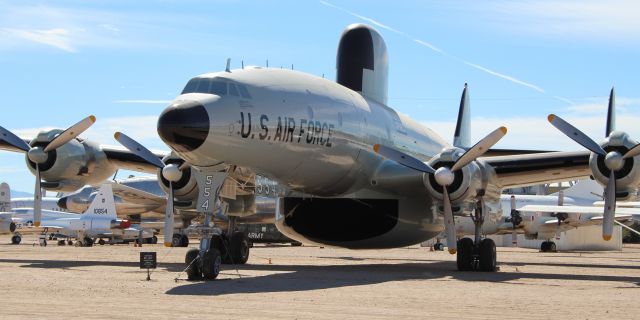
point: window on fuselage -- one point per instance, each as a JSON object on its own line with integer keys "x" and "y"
{"x": 233, "y": 90}
{"x": 244, "y": 92}
{"x": 218, "y": 88}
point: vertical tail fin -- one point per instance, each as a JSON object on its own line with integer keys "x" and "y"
{"x": 611, "y": 113}
{"x": 103, "y": 204}
{"x": 462, "y": 136}
{"x": 5, "y": 197}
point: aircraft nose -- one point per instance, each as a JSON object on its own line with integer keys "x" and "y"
{"x": 184, "y": 125}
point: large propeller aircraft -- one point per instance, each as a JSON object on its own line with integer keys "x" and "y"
{"x": 350, "y": 171}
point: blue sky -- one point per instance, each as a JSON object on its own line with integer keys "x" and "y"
{"x": 123, "y": 61}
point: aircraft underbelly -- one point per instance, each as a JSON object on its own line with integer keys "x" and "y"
{"x": 357, "y": 223}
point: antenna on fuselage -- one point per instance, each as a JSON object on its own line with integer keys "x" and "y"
{"x": 267, "y": 63}
{"x": 242, "y": 61}
{"x": 292, "y": 66}
{"x": 228, "y": 68}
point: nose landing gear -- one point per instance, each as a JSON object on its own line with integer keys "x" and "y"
{"x": 478, "y": 254}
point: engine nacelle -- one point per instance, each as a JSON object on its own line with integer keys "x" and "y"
{"x": 72, "y": 165}
{"x": 466, "y": 183}
{"x": 185, "y": 189}
{"x": 628, "y": 177}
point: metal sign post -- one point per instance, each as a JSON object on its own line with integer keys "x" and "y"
{"x": 148, "y": 261}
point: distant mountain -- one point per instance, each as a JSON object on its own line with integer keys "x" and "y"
{"x": 20, "y": 194}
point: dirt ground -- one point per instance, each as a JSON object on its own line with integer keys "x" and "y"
{"x": 310, "y": 282}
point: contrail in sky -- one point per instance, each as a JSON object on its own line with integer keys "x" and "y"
{"x": 440, "y": 51}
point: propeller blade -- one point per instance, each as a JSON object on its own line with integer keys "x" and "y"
{"x": 480, "y": 148}
{"x": 449, "y": 226}
{"x": 168, "y": 218}
{"x": 575, "y": 134}
{"x": 138, "y": 149}
{"x": 403, "y": 158}
{"x": 609, "y": 207}
{"x": 13, "y": 140}
{"x": 611, "y": 113}
{"x": 37, "y": 200}
{"x": 632, "y": 152}
{"x": 69, "y": 134}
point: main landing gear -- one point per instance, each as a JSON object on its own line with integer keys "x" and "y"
{"x": 548, "y": 246}
{"x": 180, "y": 240}
{"x": 216, "y": 247}
{"x": 478, "y": 254}
{"x": 16, "y": 239}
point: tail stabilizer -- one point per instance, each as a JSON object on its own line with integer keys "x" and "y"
{"x": 5, "y": 197}
{"x": 462, "y": 135}
{"x": 103, "y": 204}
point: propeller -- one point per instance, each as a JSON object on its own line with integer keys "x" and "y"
{"x": 444, "y": 176}
{"x": 172, "y": 172}
{"x": 515, "y": 220}
{"x": 39, "y": 155}
{"x": 613, "y": 160}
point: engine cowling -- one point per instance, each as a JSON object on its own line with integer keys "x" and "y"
{"x": 628, "y": 177}
{"x": 186, "y": 188}
{"x": 72, "y": 165}
{"x": 466, "y": 182}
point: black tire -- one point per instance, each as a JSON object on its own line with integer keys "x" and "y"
{"x": 239, "y": 248}
{"x": 221, "y": 243}
{"x": 16, "y": 239}
{"x": 101, "y": 242}
{"x": 211, "y": 263}
{"x": 552, "y": 247}
{"x": 544, "y": 246}
{"x": 193, "y": 269}
{"x": 464, "y": 257}
{"x": 62, "y": 242}
{"x": 154, "y": 240}
{"x": 184, "y": 241}
{"x": 176, "y": 240}
{"x": 293, "y": 244}
{"x": 487, "y": 254}
{"x": 70, "y": 242}
{"x": 438, "y": 247}
{"x": 88, "y": 242}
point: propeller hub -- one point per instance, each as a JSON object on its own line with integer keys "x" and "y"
{"x": 614, "y": 161}
{"x": 37, "y": 155}
{"x": 172, "y": 172}
{"x": 444, "y": 176}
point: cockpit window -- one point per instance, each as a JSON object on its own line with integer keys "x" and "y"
{"x": 244, "y": 92}
{"x": 232, "y": 90}
{"x": 212, "y": 86}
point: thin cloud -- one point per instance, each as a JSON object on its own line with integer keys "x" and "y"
{"x": 57, "y": 38}
{"x": 438, "y": 50}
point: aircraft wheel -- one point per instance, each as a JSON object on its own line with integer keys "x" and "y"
{"x": 176, "y": 240}
{"x": 88, "y": 242}
{"x": 62, "y": 242}
{"x": 70, "y": 242}
{"x": 438, "y": 246}
{"x": 544, "y": 246}
{"x": 464, "y": 257}
{"x": 220, "y": 242}
{"x": 154, "y": 240}
{"x": 193, "y": 269}
{"x": 487, "y": 255}
{"x": 211, "y": 264}
{"x": 101, "y": 242}
{"x": 16, "y": 239}
{"x": 552, "y": 247}
{"x": 239, "y": 247}
{"x": 184, "y": 241}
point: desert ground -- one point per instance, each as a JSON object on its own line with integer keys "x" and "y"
{"x": 316, "y": 283}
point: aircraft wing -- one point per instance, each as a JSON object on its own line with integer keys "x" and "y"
{"x": 577, "y": 209}
{"x": 124, "y": 159}
{"x": 539, "y": 168}
{"x": 140, "y": 198}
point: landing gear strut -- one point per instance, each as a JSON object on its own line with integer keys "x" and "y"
{"x": 478, "y": 254}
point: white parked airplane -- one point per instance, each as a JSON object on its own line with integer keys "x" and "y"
{"x": 98, "y": 221}
{"x": 544, "y": 216}
{"x": 350, "y": 171}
